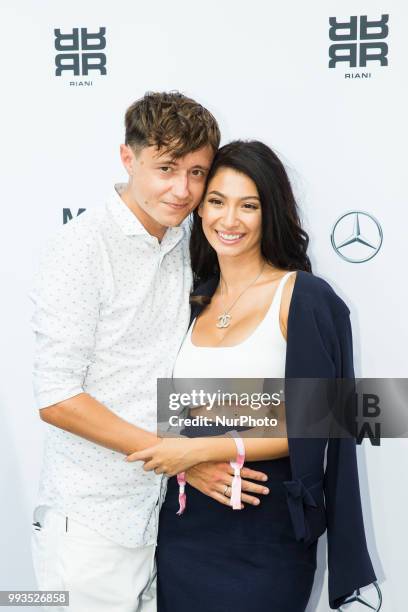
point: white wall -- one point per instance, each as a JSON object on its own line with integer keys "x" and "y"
{"x": 262, "y": 68}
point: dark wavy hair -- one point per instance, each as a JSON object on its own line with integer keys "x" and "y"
{"x": 284, "y": 242}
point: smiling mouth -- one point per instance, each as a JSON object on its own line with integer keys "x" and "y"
{"x": 229, "y": 238}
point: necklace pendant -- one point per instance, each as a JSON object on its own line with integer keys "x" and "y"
{"x": 223, "y": 320}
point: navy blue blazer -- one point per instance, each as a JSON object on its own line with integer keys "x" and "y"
{"x": 319, "y": 345}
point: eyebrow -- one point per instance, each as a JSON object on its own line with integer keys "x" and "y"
{"x": 244, "y": 198}
{"x": 172, "y": 162}
{"x": 166, "y": 162}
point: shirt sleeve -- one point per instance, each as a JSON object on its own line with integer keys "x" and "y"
{"x": 66, "y": 297}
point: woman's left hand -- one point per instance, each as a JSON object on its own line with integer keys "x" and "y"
{"x": 170, "y": 456}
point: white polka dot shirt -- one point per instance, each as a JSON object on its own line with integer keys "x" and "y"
{"x": 111, "y": 310}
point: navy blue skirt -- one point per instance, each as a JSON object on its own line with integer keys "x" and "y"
{"x": 215, "y": 559}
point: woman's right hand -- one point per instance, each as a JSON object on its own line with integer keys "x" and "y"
{"x": 212, "y": 479}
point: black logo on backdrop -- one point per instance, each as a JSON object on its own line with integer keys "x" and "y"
{"x": 68, "y": 216}
{"x": 80, "y": 52}
{"x": 358, "y": 42}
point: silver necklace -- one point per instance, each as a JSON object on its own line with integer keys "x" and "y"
{"x": 224, "y": 319}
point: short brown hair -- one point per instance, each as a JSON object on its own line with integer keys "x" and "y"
{"x": 172, "y": 122}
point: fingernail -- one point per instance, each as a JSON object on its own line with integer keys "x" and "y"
{"x": 266, "y": 491}
{"x": 264, "y": 478}
{"x": 256, "y": 502}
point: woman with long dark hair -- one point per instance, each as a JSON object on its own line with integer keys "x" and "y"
{"x": 258, "y": 312}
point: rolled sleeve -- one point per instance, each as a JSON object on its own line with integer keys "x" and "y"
{"x": 66, "y": 297}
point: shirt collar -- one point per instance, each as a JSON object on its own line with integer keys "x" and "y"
{"x": 130, "y": 224}
{"x": 127, "y": 221}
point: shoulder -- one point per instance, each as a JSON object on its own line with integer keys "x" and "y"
{"x": 87, "y": 225}
{"x": 316, "y": 294}
{"x": 319, "y": 332}
{"x": 85, "y": 229}
{"x": 76, "y": 244}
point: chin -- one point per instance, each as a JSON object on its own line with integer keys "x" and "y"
{"x": 173, "y": 222}
{"x": 173, "y": 218}
{"x": 228, "y": 251}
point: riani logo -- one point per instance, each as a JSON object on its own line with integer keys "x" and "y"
{"x": 358, "y": 43}
{"x": 79, "y": 54}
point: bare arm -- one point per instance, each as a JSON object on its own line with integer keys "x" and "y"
{"x": 256, "y": 449}
{"x": 174, "y": 455}
{"x": 178, "y": 454}
{"x": 86, "y": 417}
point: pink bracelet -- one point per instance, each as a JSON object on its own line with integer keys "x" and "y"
{"x": 181, "y": 479}
{"x": 237, "y": 465}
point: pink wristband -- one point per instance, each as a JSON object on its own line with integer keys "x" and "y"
{"x": 181, "y": 479}
{"x": 237, "y": 465}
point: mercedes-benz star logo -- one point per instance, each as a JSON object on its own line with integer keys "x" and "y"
{"x": 363, "y": 601}
{"x": 356, "y": 236}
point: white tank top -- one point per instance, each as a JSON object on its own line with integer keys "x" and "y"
{"x": 261, "y": 355}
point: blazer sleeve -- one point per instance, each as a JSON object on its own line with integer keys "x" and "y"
{"x": 349, "y": 563}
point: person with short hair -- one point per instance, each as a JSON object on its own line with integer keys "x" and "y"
{"x": 111, "y": 310}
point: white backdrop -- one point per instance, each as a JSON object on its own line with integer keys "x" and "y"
{"x": 262, "y": 69}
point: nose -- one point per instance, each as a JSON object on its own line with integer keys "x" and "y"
{"x": 230, "y": 218}
{"x": 180, "y": 188}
